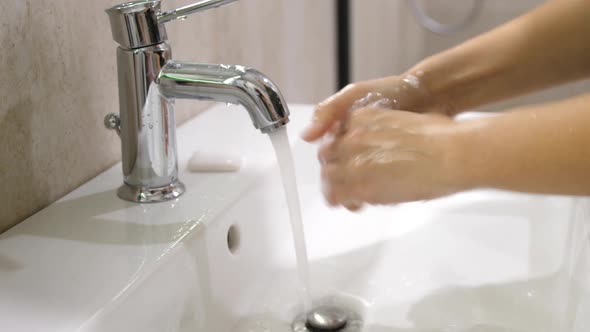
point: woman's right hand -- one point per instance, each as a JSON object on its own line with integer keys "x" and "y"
{"x": 405, "y": 92}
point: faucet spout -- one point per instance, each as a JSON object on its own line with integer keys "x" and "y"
{"x": 227, "y": 83}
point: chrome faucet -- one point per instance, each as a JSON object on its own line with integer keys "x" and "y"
{"x": 149, "y": 81}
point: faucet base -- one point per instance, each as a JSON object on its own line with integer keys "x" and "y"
{"x": 150, "y": 195}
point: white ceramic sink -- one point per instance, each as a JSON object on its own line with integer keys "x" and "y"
{"x": 477, "y": 261}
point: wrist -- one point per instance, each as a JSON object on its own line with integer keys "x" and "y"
{"x": 431, "y": 92}
{"x": 468, "y": 160}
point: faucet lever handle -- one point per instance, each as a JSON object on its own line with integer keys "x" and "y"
{"x": 140, "y": 23}
{"x": 183, "y": 12}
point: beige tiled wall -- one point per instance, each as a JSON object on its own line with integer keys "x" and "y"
{"x": 58, "y": 79}
{"x": 387, "y": 39}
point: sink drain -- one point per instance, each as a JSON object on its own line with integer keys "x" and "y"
{"x": 328, "y": 318}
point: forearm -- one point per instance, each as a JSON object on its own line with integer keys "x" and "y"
{"x": 542, "y": 48}
{"x": 540, "y": 149}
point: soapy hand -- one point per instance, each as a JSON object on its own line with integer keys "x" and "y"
{"x": 403, "y": 93}
{"x": 385, "y": 156}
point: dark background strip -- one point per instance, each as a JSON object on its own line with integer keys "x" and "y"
{"x": 343, "y": 42}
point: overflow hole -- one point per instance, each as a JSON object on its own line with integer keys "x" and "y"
{"x": 233, "y": 239}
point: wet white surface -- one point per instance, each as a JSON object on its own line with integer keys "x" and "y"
{"x": 477, "y": 261}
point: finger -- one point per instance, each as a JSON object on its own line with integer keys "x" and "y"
{"x": 330, "y": 197}
{"x": 338, "y": 150}
{"x": 332, "y": 175}
{"x": 375, "y": 119}
{"x": 353, "y": 206}
{"x": 330, "y": 194}
{"x": 364, "y": 120}
{"x": 335, "y": 195}
{"x": 333, "y": 183}
{"x": 327, "y": 153}
{"x": 339, "y": 127}
{"x": 331, "y": 110}
{"x": 342, "y": 194}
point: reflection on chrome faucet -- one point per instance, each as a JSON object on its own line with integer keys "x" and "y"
{"x": 149, "y": 81}
{"x": 230, "y": 84}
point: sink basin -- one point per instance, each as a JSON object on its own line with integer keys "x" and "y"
{"x": 221, "y": 257}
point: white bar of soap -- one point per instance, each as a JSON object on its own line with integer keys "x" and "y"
{"x": 214, "y": 162}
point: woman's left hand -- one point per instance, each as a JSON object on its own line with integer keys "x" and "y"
{"x": 383, "y": 156}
